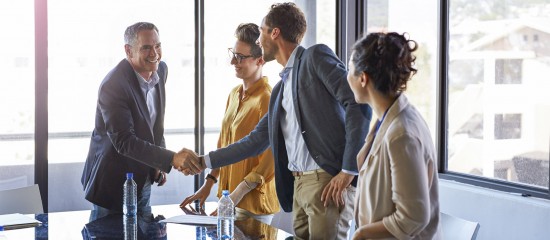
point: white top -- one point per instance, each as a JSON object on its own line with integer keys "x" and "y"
{"x": 299, "y": 158}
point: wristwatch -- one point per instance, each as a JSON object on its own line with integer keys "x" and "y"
{"x": 211, "y": 177}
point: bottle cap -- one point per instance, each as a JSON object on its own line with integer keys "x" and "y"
{"x": 129, "y": 175}
{"x": 225, "y": 192}
{"x": 1, "y": 228}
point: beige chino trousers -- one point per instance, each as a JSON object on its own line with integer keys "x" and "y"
{"x": 312, "y": 220}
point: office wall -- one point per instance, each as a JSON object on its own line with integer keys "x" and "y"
{"x": 66, "y": 194}
{"x": 501, "y": 215}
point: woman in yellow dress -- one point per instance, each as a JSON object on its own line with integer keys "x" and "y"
{"x": 250, "y": 182}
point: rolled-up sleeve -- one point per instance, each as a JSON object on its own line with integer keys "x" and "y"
{"x": 264, "y": 171}
{"x": 410, "y": 188}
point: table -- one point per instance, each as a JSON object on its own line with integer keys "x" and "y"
{"x": 76, "y": 225}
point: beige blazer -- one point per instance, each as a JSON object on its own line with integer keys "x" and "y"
{"x": 398, "y": 177}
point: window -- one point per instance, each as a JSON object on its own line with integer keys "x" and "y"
{"x": 498, "y": 123}
{"x": 17, "y": 121}
{"x": 219, "y": 35}
{"x": 85, "y": 41}
{"x": 420, "y": 24}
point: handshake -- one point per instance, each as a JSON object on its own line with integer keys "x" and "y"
{"x": 188, "y": 162}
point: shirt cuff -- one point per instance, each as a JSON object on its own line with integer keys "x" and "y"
{"x": 343, "y": 170}
{"x": 207, "y": 161}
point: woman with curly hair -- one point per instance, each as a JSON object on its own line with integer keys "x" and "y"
{"x": 397, "y": 192}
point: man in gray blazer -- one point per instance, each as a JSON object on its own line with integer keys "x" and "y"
{"x": 129, "y": 126}
{"x": 314, "y": 127}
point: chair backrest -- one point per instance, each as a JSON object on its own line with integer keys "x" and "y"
{"x": 455, "y": 228}
{"x": 283, "y": 220}
{"x": 25, "y": 200}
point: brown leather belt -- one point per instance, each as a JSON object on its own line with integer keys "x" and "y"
{"x": 298, "y": 174}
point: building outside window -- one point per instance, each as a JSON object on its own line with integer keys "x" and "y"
{"x": 507, "y": 126}
{"x": 494, "y": 37}
{"x": 508, "y": 71}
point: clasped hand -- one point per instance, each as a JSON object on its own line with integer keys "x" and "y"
{"x": 188, "y": 162}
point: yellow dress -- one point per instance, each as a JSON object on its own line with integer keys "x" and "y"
{"x": 241, "y": 117}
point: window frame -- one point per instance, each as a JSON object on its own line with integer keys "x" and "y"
{"x": 350, "y": 21}
{"x": 443, "y": 118}
{"x": 41, "y": 99}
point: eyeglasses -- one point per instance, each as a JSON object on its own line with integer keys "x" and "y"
{"x": 237, "y": 56}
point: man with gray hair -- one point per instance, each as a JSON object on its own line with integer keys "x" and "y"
{"x": 129, "y": 126}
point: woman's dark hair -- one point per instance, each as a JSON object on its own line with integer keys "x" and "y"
{"x": 289, "y": 19}
{"x": 387, "y": 59}
{"x": 249, "y": 33}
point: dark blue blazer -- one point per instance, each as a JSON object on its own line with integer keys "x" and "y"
{"x": 123, "y": 139}
{"x": 333, "y": 125}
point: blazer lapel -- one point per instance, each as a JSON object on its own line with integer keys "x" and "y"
{"x": 160, "y": 113}
{"x": 139, "y": 97}
{"x": 277, "y": 107}
{"x": 295, "y": 83}
{"x": 400, "y": 103}
{"x": 161, "y": 90}
{"x": 365, "y": 151}
{"x": 161, "y": 99}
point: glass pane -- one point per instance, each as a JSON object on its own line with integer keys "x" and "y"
{"x": 421, "y": 26}
{"x": 17, "y": 121}
{"x": 219, "y": 35}
{"x": 498, "y": 106}
{"x": 86, "y": 41}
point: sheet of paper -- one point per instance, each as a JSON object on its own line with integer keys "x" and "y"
{"x": 193, "y": 220}
{"x": 17, "y": 220}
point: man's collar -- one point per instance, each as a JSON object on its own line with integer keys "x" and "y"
{"x": 290, "y": 61}
{"x": 153, "y": 80}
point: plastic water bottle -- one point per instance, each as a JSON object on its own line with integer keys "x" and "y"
{"x": 130, "y": 227}
{"x": 129, "y": 205}
{"x": 2, "y": 236}
{"x": 226, "y": 216}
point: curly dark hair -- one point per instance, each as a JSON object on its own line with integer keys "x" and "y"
{"x": 249, "y": 33}
{"x": 387, "y": 59}
{"x": 289, "y": 19}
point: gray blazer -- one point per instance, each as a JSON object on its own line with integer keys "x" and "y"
{"x": 333, "y": 125}
{"x": 123, "y": 139}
